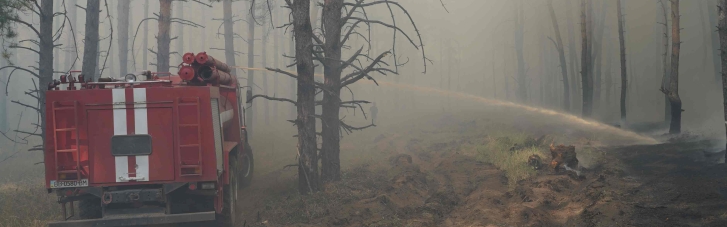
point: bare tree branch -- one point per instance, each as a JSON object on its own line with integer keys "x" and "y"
{"x": 272, "y": 99}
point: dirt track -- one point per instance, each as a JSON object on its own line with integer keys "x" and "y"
{"x": 416, "y": 182}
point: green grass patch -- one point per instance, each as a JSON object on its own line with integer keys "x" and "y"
{"x": 510, "y": 154}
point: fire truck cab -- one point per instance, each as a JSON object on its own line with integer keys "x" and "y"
{"x": 148, "y": 148}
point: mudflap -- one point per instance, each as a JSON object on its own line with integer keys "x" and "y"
{"x": 138, "y": 219}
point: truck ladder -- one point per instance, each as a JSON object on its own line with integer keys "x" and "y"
{"x": 67, "y": 129}
{"x": 190, "y": 167}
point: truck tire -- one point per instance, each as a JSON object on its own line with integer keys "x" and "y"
{"x": 229, "y": 217}
{"x": 89, "y": 208}
{"x": 248, "y": 167}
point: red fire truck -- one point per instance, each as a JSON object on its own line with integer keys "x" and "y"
{"x": 148, "y": 148}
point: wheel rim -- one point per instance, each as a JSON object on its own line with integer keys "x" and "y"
{"x": 247, "y": 166}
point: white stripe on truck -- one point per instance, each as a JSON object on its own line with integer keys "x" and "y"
{"x": 119, "y": 108}
{"x": 141, "y": 126}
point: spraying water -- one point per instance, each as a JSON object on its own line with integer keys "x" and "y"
{"x": 578, "y": 173}
{"x": 549, "y": 112}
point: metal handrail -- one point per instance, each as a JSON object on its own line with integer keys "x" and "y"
{"x": 125, "y": 82}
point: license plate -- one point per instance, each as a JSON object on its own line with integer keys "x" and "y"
{"x": 69, "y": 184}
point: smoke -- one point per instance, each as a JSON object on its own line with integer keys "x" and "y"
{"x": 578, "y": 172}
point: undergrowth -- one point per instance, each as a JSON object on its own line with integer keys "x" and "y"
{"x": 510, "y": 154}
{"x": 27, "y": 204}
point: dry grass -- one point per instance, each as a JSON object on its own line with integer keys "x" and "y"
{"x": 24, "y": 200}
{"x": 27, "y": 204}
{"x": 510, "y": 154}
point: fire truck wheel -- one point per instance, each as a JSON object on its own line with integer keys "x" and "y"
{"x": 228, "y": 217}
{"x": 89, "y": 208}
{"x": 248, "y": 167}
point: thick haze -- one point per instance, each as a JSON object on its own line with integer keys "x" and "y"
{"x": 469, "y": 47}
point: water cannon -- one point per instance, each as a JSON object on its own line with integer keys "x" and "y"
{"x": 205, "y": 69}
{"x": 205, "y": 60}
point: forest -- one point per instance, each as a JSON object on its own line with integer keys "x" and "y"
{"x": 411, "y": 112}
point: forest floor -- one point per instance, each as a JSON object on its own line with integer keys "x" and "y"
{"x": 467, "y": 168}
{"x": 470, "y": 170}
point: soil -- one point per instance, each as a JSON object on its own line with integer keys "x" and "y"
{"x": 414, "y": 183}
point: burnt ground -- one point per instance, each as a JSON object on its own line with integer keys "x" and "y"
{"x": 417, "y": 182}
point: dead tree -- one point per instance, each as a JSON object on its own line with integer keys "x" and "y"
{"x": 585, "y": 63}
{"x": 145, "y": 39}
{"x": 164, "y": 19}
{"x": 163, "y": 37}
{"x": 91, "y": 45}
{"x": 622, "y": 44}
{"x": 276, "y": 53}
{"x": 123, "y": 40}
{"x": 572, "y": 55}
{"x": 308, "y": 179}
{"x": 715, "y": 39}
{"x": 308, "y": 176}
{"x": 229, "y": 34}
{"x": 722, "y": 30}
{"x": 43, "y": 72}
{"x": 519, "y": 40}
{"x": 608, "y": 81}
{"x": 179, "y": 38}
{"x": 673, "y": 90}
{"x": 338, "y": 29}
{"x": 705, "y": 39}
{"x": 249, "y": 121}
{"x": 264, "y": 57}
{"x": 597, "y": 55}
{"x": 70, "y": 47}
{"x": 665, "y": 64}
{"x": 561, "y": 55}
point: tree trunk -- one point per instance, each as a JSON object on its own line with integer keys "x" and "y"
{"x": 504, "y": 73}
{"x": 123, "y": 40}
{"x": 3, "y": 95}
{"x": 264, "y": 44}
{"x": 180, "y": 31}
{"x": 229, "y": 38}
{"x": 145, "y": 46}
{"x": 561, "y": 56}
{"x": 705, "y": 40}
{"x": 722, "y": 31}
{"x": 250, "y": 73}
{"x": 573, "y": 56}
{"x": 276, "y": 63}
{"x": 56, "y": 51}
{"x": 622, "y": 44}
{"x": 308, "y": 179}
{"x": 45, "y": 61}
{"x": 293, "y": 82}
{"x": 585, "y": 62}
{"x": 676, "y": 103}
{"x": 163, "y": 39}
{"x": 71, "y": 49}
{"x": 90, "y": 50}
{"x": 519, "y": 39}
{"x": 597, "y": 58}
{"x": 608, "y": 81}
{"x": 330, "y": 126}
{"x": 716, "y": 40}
{"x": 665, "y": 64}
